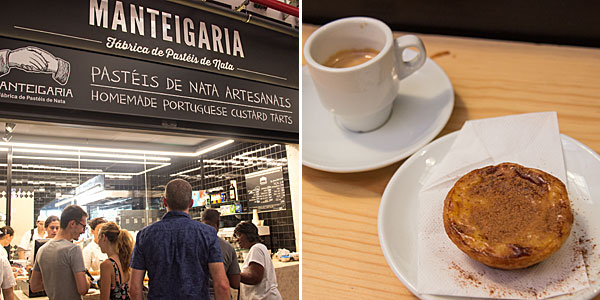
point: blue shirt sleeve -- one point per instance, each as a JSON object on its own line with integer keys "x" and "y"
{"x": 137, "y": 257}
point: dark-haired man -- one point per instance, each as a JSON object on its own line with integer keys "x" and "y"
{"x": 232, "y": 268}
{"x": 58, "y": 266}
{"x": 178, "y": 253}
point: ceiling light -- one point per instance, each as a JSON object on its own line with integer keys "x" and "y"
{"x": 115, "y": 201}
{"x": 9, "y": 127}
{"x": 81, "y": 200}
{"x": 44, "y": 167}
{"x": 186, "y": 171}
{"x": 214, "y": 147}
{"x": 77, "y": 150}
{"x": 140, "y": 162}
{"x": 152, "y": 169}
{"x": 87, "y": 154}
{"x": 98, "y": 149}
{"x": 109, "y": 176}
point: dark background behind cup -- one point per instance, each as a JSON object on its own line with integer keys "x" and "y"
{"x": 551, "y": 21}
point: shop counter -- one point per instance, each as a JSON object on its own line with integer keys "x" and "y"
{"x": 95, "y": 295}
{"x": 288, "y": 274}
{"x": 287, "y": 279}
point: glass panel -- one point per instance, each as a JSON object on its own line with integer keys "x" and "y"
{"x": 121, "y": 177}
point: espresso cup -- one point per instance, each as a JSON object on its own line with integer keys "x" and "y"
{"x": 360, "y": 92}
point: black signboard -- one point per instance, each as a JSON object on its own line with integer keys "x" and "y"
{"x": 57, "y": 77}
{"x": 265, "y": 190}
{"x": 158, "y": 31}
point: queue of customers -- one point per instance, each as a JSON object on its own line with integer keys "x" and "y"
{"x": 182, "y": 258}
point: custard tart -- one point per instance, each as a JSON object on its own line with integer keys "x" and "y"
{"x": 508, "y": 216}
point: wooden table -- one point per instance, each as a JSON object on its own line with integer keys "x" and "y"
{"x": 341, "y": 255}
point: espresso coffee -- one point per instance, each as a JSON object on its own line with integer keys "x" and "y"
{"x": 349, "y": 58}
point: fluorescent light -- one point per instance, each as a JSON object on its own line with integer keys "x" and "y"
{"x": 186, "y": 171}
{"x": 94, "y": 194}
{"x": 90, "y": 160}
{"x": 211, "y": 148}
{"x": 90, "y": 197}
{"x": 55, "y": 168}
{"x": 56, "y": 171}
{"x": 118, "y": 176}
{"x": 93, "y": 190}
{"x": 110, "y": 152}
{"x": 87, "y": 171}
{"x": 109, "y": 155}
{"x": 98, "y": 149}
{"x": 203, "y": 151}
{"x": 115, "y": 201}
{"x": 152, "y": 169}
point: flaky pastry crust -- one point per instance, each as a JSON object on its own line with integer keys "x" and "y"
{"x": 508, "y": 216}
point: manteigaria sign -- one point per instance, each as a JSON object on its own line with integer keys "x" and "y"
{"x": 154, "y": 59}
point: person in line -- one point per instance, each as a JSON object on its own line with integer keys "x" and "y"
{"x": 6, "y": 236}
{"x": 51, "y": 226}
{"x": 211, "y": 217}
{"x": 29, "y": 237}
{"x": 117, "y": 244}
{"x": 178, "y": 253}
{"x": 7, "y": 280}
{"x": 92, "y": 256}
{"x": 258, "y": 274}
{"x": 58, "y": 267}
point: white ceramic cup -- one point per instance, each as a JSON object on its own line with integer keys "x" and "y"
{"x": 360, "y": 97}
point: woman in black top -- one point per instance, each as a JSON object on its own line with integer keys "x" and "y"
{"x": 114, "y": 272}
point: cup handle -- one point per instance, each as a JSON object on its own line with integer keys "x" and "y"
{"x": 406, "y": 68}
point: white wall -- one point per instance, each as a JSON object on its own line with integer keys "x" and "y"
{"x": 21, "y": 215}
{"x": 293, "y": 156}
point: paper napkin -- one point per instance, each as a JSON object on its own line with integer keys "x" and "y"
{"x": 531, "y": 140}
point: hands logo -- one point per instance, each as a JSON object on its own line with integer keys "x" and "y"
{"x": 35, "y": 60}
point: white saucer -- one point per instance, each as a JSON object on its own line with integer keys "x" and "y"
{"x": 422, "y": 108}
{"x": 398, "y": 212}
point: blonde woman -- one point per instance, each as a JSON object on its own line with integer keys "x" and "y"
{"x": 114, "y": 272}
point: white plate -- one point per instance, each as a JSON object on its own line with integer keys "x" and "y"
{"x": 398, "y": 212}
{"x": 422, "y": 108}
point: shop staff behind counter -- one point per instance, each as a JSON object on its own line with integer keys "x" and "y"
{"x": 258, "y": 274}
